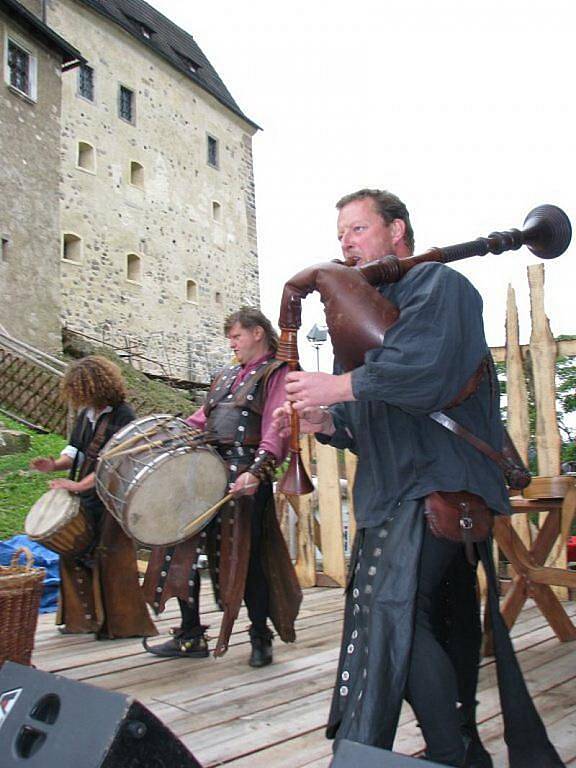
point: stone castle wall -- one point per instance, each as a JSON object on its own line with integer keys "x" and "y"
{"x": 29, "y": 198}
{"x": 169, "y": 220}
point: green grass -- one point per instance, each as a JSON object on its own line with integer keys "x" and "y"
{"x": 21, "y": 486}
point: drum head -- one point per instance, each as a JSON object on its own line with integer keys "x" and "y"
{"x": 172, "y": 493}
{"x": 52, "y": 510}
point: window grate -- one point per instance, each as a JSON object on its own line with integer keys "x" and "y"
{"x": 126, "y": 104}
{"x": 19, "y": 66}
{"x": 212, "y": 148}
{"x": 86, "y": 82}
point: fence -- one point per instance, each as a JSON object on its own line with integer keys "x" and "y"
{"x": 29, "y": 385}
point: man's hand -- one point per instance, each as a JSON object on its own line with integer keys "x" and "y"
{"x": 310, "y": 390}
{"x": 44, "y": 464}
{"x": 311, "y": 420}
{"x": 245, "y": 485}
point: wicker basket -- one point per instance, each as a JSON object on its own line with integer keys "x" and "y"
{"x": 20, "y": 592}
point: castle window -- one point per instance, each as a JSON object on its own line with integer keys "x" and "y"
{"x": 218, "y": 297}
{"x": 86, "y": 157}
{"x": 133, "y": 268}
{"x": 136, "y": 174}
{"x": 189, "y": 63}
{"x": 86, "y": 82}
{"x": 192, "y": 291}
{"x": 20, "y": 69}
{"x": 212, "y": 150}
{"x": 4, "y": 243}
{"x": 71, "y": 247}
{"x": 216, "y": 211}
{"x": 126, "y": 104}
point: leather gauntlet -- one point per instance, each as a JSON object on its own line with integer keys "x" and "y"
{"x": 263, "y": 466}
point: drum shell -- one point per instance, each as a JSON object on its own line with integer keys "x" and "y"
{"x": 156, "y": 493}
{"x": 70, "y": 533}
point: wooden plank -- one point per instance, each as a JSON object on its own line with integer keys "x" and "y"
{"x": 230, "y": 714}
{"x": 351, "y": 463}
{"x": 308, "y": 749}
{"x": 517, "y": 421}
{"x": 243, "y": 736}
{"x": 225, "y": 705}
{"x": 543, "y": 354}
{"x": 305, "y": 548}
{"x": 330, "y": 511}
{"x": 566, "y": 348}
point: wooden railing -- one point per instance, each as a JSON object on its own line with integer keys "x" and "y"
{"x": 29, "y": 382}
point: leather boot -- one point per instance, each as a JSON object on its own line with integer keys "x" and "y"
{"x": 190, "y": 644}
{"x": 261, "y": 641}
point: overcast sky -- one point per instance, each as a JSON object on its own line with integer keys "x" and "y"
{"x": 464, "y": 109}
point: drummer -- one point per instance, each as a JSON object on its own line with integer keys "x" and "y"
{"x": 100, "y": 592}
{"x": 247, "y": 554}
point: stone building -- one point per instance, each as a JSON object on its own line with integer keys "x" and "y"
{"x": 158, "y": 233}
{"x": 32, "y": 58}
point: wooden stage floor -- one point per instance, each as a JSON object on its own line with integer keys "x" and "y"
{"x": 229, "y": 714}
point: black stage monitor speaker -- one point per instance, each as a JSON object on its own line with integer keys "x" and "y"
{"x": 47, "y": 721}
{"x": 351, "y": 754}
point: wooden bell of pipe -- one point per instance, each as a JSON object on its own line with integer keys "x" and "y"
{"x": 295, "y": 481}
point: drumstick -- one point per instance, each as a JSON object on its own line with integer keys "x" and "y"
{"x": 207, "y": 514}
{"x": 135, "y": 438}
{"x": 122, "y": 450}
{"x": 121, "y": 447}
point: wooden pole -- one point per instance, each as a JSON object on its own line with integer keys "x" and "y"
{"x": 304, "y": 507}
{"x": 350, "y": 461}
{"x": 518, "y": 423}
{"x": 330, "y": 506}
{"x": 543, "y": 353}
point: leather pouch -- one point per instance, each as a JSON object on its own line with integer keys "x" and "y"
{"x": 459, "y": 516}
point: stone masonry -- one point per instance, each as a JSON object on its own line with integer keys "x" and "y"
{"x": 177, "y": 220}
{"x": 29, "y": 195}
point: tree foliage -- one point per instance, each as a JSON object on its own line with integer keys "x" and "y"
{"x": 565, "y": 400}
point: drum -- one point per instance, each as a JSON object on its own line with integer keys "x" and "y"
{"x": 157, "y": 482}
{"x": 57, "y": 521}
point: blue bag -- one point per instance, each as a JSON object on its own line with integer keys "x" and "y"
{"x": 43, "y": 558}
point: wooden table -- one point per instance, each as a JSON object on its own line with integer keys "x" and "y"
{"x": 532, "y": 578}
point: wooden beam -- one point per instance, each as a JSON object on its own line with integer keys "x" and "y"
{"x": 517, "y": 400}
{"x": 351, "y": 461}
{"x": 304, "y": 507}
{"x": 566, "y": 348}
{"x": 330, "y": 506}
{"x": 543, "y": 353}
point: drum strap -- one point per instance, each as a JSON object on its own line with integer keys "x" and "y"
{"x": 96, "y": 442}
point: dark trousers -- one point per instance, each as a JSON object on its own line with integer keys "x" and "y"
{"x": 256, "y": 593}
{"x": 432, "y": 688}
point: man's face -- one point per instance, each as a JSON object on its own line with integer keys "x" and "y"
{"x": 364, "y": 235}
{"x": 246, "y": 343}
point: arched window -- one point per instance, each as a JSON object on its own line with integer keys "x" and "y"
{"x": 218, "y": 297}
{"x": 216, "y": 211}
{"x": 137, "y": 174}
{"x": 86, "y": 157}
{"x": 192, "y": 291}
{"x": 71, "y": 247}
{"x": 133, "y": 268}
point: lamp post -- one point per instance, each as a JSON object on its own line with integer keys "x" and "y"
{"x": 317, "y": 336}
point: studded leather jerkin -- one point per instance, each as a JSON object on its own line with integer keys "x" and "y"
{"x": 234, "y": 418}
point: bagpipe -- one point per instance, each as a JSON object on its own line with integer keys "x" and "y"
{"x": 358, "y": 315}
